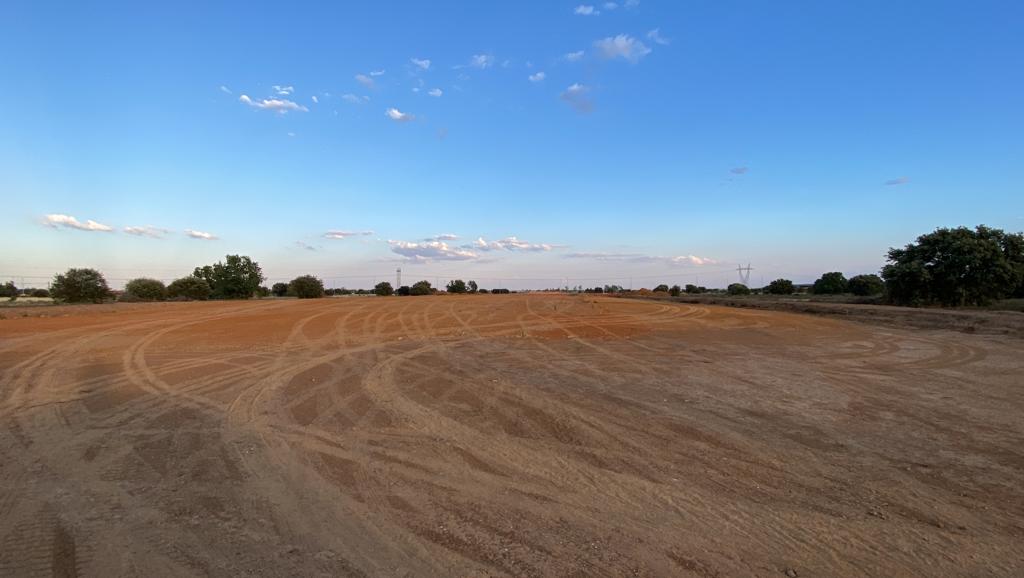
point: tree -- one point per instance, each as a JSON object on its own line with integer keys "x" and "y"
{"x": 279, "y": 289}
{"x": 613, "y": 289}
{"x": 482, "y": 291}
{"x": 40, "y": 293}
{"x": 79, "y": 285}
{"x": 864, "y": 285}
{"x": 661, "y": 288}
{"x": 189, "y": 288}
{"x": 421, "y": 288}
{"x": 238, "y": 277}
{"x": 456, "y": 286}
{"x": 780, "y": 287}
{"x": 306, "y": 287}
{"x": 675, "y": 290}
{"x": 9, "y": 290}
{"x": 383, "y": 289}
{"x": 403, "y": 290}
{"x": 738, "y": 289}
{"x": 832, "y": 283}
{"x": 472, "y": 286}
{"x": 693, "y": 289}
{"x": 145, "y": 289}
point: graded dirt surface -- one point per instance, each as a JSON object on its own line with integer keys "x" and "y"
{"x": 494, "y": 435}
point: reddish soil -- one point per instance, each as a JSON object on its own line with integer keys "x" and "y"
{"x": 522, "y": 435}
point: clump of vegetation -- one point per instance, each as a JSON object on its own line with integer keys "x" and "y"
{"x": 483, "y": 291}
{"x": 456, "y": 286}
{"x": 694, "y": 290}
{"x": 383, "y": 289}
{"x": 780, "y": 287}
{"x": 279, "y": 289}
{"x": 675, "y": 290}
{"x": 500, "y": 291}
{"x": 237, "y": 277}
{"x": 306, "y": 287}
{"x": 421, "y": 288}
{"x": 189, "y": 289}
{"x": 404, "y": 290}
{"x": 145, "y": 289}
{"x": 661, "y": 288}
{"x": 9, "y": 290}
{"x": 833, "y": 283}
{"x": 738, "y": 289}
{"x": 80, "y": 285}
{"x": 866, "y": 285}
{"x": 956, "y": 267}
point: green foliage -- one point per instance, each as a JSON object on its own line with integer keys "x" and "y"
{"x": 189, "y": 288}
{"x": 279, "y": 289}
{"x": 866, "y": 285}
{"x": 832, "y": 283}
{"x": 675, "y": 290}
{"x": 482, "y": 291}
{"x": 738, "y": 289}
{"x": 9, "y": 290}
{"x": 500, "y": 291}
{"x": 954, "y": 267}
{"x": 383, "y": 289}
{"x": 237, "y": 277}
{"x": 661, "y": 288}
{"x": 421, "y": 288}
{"x": 613, "y": 289}
{"x": 306, "y": 287}
{"x": 262, "y": 291}
{"x": 144, "y": 289}
{"x": 403, "y": 290}
{"x": 80, "y": 285}
{"x": 693, "y": 289}
{"x": 456, "y": 286}
{"x": 472, "y": 286}
{"x": 780, "y": 287}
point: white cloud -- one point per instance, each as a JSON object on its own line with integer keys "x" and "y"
{"x": 897, "y": 181}
{"x": 57, "y": 220}
{"x": 314, "y": 99}
{"x": 336, "y": 234}
{"x": 225, "y": 89}
{"x": 283, "y": 90}
{"x": 280, "y": 105}
{"x": 510, "y": 244}
{"x": 574, "y": 56}
{"x": 576, "y": 97}
{"x": 435, "y": 92}
{"x": 586, "y": 10}
{"x": 537, "y": 77}
{"x": 444, "y": 237}
{"x": 377, "y": 73}
{"x": 304, "y": 245}
{"x": 147, "y": 231}
{"x": 480, "y": 61}
{"x": 200, "y": 235}
{"x": 683, "y": 260}
{"x": 399, "y": 116}
{"x": 355, "y": 99}
{"x": 622, "y": 46}
{"x": 365, "y": 80}
{"x": 610, "y": 5}
{"x": 426, "y": 251}
{"x": 656, "y": 37}
{"x": 421, "y": 63}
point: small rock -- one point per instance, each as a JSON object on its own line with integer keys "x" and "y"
{"x": 791, "y": 573}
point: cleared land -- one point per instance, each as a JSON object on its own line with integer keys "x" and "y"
{"x": 504, "y": 435}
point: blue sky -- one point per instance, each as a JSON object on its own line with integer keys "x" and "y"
{"x": 594, "y": 142}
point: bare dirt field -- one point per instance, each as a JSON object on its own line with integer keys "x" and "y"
{"x": 523, "y": 435}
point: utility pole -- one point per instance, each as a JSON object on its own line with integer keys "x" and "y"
{"x": 398, "y": 278}
{"x": 744, "y": 274}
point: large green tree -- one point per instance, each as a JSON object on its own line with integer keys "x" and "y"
{"x": 955, "y": 267}
{"x": 865, "y": 285}
{"x": 146, "y": 289}
{"x": 78, "y": 285}
{"x": 237, "y": 277}
{"x": 306, "y": 287}
{"x": 780, "y": 287}
{"x": 832, "y": 283}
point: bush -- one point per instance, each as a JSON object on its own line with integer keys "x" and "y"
{"x": 383, "y": 289}
{"x": 661, "y": 288}
{"x": 421, "y": 288}
{"x": 472, "y": 286}
{"x": 279, "y": 289}
{"x": 306, "y": 287}
{"x": 144, "y": 289}
{"x": 403, "y": 290}
{"x": 780, "y": 287}
{"x": 500, "y": 291}
{"x": 832, "y": 283}
{"x": 456, "y": 286}
{"x": 79, "y": 285}
{"x": 675, "y": 291}
{"x": 9, "y": 290}
{"x": 40, "y": 293}
{"x": 237, "y": 277}
{"x": 482, "y": 291}
{"x": 738, "y": 289}
{"x": 953, "y": 267}
{"x": 693, "y": 289}
{"x": 189, "y": 288}
{"x": 865, "y": 285}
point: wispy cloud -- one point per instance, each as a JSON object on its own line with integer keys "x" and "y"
{"x": 739, "y": 170}
{"x": 57, "y": 220}
{"x": 435, "y": 92}
{"x": 537, "y": 77}
{"x": 337, "y": 234}
{"x": 609, "y": 5}
{"x": 656, "y": 37}
{"x": 280, "y": 105}
{"x": 426, "y": 251}
{"x": 510, "y": 244}
{"x": 680, "y": 260}
{"x": 586, "y": 10}
{"x": 147, "y": 231}
{"x": 897, "y": 181}
{"x": 355, "y": 99}
{"x": 200, "y": 235}
{"x": 622, "y": 46}
{"x": 314, "y": 99}
{"x": 574, "y": 56}
{"x": 421, "y": 63}
{"x": 444, "y": 237}
{"x": 283, "y": 90}
{"x": 365, "y": 81}
{"x": 480, "y": 61}
{"x": 399, "y": 116}
{"x": 304, "y": 245}
{"x": 577, "y": 97}
{"x": 225, "y": 89}
{"x": 377, "y": 72}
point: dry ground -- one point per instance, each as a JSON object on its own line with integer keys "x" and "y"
{"x": 504, "y": 435}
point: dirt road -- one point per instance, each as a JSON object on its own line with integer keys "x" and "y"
{"x": 538, "y": 435}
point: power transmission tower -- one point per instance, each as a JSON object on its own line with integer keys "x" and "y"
{"x": 744, "y": 274}
{"x": 398, "y": 278}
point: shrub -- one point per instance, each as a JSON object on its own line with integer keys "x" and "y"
{"x": 832, "y": 283}
{"x": 262, "y": 291}
{"x": 865, "y": 285}
{"x": 383, "y": 289}
{"x": 661, "y": 288}
{"x": 40, "y": 293}
{"x": 613, "y": 289}
{"x": 780, "y": 287}
{"x": 9, "y": 290}
{"x": 144, "y": 289}
{"x": 306, "y": 287}
{"x": 279, "y": 289}
{"x": 738, "y": 289}
{"x": 238, "y": 277}
{"x": 675, "y": 290}
{"x": 189, "y": 288}
{"x": 693, "y": 289}
{"x": 472, "y": 286}
{"x": 79, "y": 285}
{"x": 403, "y": 290}
{"x": 456, "y": 286}
{"x": 482, "y": 291}
{"x": 500, "y": 291}
{"x": 421, "y": 288}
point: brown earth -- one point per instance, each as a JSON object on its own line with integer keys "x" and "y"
{"x": 525, "y": 435}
